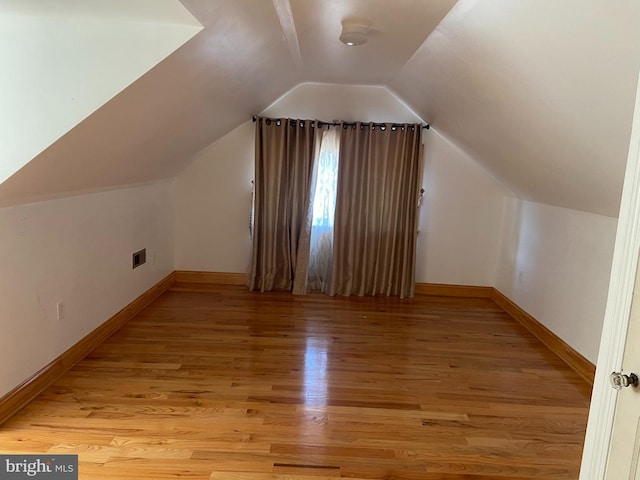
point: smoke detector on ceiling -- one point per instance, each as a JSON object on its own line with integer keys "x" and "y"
{"x": 354, "y": 33}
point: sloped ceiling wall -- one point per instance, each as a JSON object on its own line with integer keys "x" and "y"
{"x": 539, "y": 92}
{"x": 238, "y": 65}
{"x": 61, "y": 61}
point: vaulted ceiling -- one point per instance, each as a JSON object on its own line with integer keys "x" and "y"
{"x": 539, "y": 92}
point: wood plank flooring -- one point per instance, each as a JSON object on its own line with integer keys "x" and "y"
{"x": 214, "y": 382}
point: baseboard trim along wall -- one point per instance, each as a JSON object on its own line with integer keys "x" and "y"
{"x": 222, "y": 278}
{"x": 583, "y": 367}
{"x": 19, "y": 397}
{"x": 444, "y": 290}
{"x": 571, "y": 357}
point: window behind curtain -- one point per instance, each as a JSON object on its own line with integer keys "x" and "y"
{"x": 343, "y": 226}
{"x": 324, "y": 206}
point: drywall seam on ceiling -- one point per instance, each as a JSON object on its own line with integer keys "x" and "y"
{"x": 288, "y": 26}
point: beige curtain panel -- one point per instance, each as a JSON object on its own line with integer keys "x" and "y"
{"x": 376, "y": 204}
{"x": 374, "y": 249}
{"x": 284, "y": 158}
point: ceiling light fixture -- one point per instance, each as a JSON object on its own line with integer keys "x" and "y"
{"x": 354, "y": 34}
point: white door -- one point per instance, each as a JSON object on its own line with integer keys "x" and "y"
{"x": 612, "y": 444}
{"x": 624, "y": 450}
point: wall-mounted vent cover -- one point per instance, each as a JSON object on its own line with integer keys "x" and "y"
{"x": 139, "y": 257}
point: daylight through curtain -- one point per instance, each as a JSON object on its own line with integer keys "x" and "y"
{"x": 285, "y": 153}
{"x": 324, "y": 206}
{"x": 335, "y": 208}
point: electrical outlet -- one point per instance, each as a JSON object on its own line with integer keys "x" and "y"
{"x": 60, "y": 310}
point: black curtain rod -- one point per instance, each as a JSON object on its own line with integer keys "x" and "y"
{"x": 351, "y": 124}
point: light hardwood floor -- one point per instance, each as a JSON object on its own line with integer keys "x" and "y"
{"x": 214, "y": 382}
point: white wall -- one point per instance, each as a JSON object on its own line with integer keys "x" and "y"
{"x": 330, "y": 102}
{"x": 52, "y": 78}
{"x": 555, "y": 264}
{"x": 213, "y": 204}
{"x": 551, "y": 261}
{"x": 460, "y": 218}
{"x": 77, "y": 250}
{"x": 519, "y": 86}
{"x": 213, "y": 194}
